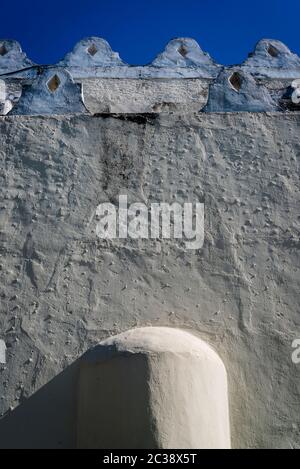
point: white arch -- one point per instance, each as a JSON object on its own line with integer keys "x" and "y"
{"x": 153, "y": 387}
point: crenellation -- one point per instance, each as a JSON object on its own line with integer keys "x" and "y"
{"x": 236, "y": 90}
{"x": 183, "y": 78}
{"x": 272, "y": 59}
{"x": 92, "y": 52}
{"x": 12, "y": 58}
{"x": 186, "y": 53}
{"x": 53, "y": 92}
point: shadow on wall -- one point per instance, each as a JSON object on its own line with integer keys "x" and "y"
{"x": 46, "y": 419}
{"x": 146, "y": 388}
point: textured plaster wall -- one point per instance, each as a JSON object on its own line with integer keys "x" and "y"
{"x": 146, "y": 95}
{"x": 62, "y": 290}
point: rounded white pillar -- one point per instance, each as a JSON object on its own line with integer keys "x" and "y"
{"x": 153, "y": 387}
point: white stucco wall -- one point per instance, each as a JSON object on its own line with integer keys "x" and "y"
{"x": 63, "y": 290}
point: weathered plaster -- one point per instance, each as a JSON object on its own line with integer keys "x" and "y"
{"x": 53, "y": 92}
{"x": 151, "y": 95}
{"x": 236, "y": 91}
{"x": 110, "y": 85}
{"x": 62, "y": 290}
{"x": 12, "y": 57}
{"x": 272, "y": 59}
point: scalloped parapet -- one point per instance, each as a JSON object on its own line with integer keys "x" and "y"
{"x": 54, "y": 92}
{"x": 184, "y": 52}
{"x": 12, "y": 58}
{"x": 177, "y": 80}
{"x": 272, "y": 59}
{"x": 237, "y": 91}
{"x": 92, "y": 52}
{"x": 182, "y": 58}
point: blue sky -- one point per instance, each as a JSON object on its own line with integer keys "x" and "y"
{"x": 139, "y": 30}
